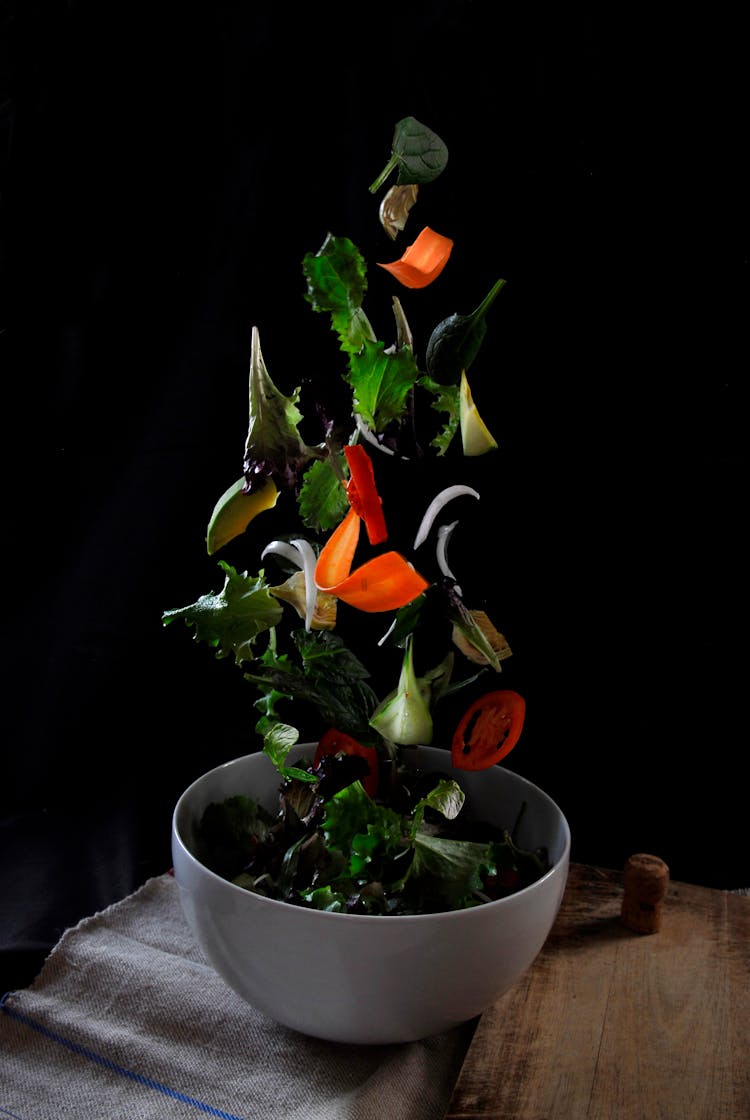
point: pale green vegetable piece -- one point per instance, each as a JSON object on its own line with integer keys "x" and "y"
{"x": 404, "y": 716}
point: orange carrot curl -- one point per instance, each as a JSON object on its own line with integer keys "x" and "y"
{"x": 423, "y": 261}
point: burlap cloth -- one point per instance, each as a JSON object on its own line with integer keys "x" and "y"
{"x": 126, "y": 1021}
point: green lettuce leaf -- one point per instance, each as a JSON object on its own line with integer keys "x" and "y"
{"x": 230, "y": 620}
{"x": 336, "y": 283}
{"x": 273, "y": 446}
{"x": 446, "y": 399}
{"x": 381, "y": 383}
{"x": 322, "y": 498}
{"x": 455, "y": 867}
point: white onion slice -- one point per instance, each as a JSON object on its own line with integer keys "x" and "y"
{"x": 436, "y": 505}
{"x": 389, "y": 631}
{"x": 308, "y": 563}
{"x": 302, "y": 554}
{"x": 283, "y": 548}
{"x": 441, "y": 551}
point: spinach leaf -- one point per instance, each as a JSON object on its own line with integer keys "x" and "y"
{"x": 418, "y": 153}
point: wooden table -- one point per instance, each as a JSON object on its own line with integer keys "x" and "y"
{"x": 614, "y": 1025}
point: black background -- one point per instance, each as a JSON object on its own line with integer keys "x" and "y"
{"x": 165, "y": 169}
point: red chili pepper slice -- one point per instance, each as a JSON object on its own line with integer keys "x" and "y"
{"x": 488, "y": 730}
{"x": 363, "y": 494}
{"x": 337, "y": 742}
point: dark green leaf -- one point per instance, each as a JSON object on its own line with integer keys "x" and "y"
{"x": 417, "y": 152}
{"x": 455, "y": 343}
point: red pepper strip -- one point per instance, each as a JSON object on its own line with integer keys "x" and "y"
{"x": 488, "y": 730}
{"x": 363, "y": 494}
{"x": 337, "y": 742}
{"x": 383, "y": 584}
{"x": 423, "y": 261}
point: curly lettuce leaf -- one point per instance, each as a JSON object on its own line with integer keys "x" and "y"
{"x": 323, "y": 501}
{"x": 336, "y": 283}
{"x": 230, "y": 620}
{"x": 381, "y": 382}
{"x": 446, "y": 399}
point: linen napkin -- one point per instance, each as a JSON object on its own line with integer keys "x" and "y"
{"x": 126, "y": 1019}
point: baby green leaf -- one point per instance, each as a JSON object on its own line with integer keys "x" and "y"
{"x": 454, "y": 343}
{"x": 418, "y": 153}
{"x": 336, "y": 283}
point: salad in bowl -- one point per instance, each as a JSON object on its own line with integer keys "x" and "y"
{"x": 359, "y": 826}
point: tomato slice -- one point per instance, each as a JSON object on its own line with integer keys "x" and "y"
{"x": 337, "y": 742}
{"x": 488, "y": 730}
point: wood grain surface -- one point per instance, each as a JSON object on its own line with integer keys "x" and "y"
{"x": 609, "y": 1024}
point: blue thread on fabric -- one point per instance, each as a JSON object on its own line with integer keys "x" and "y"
{"x": 100, "y": 1060}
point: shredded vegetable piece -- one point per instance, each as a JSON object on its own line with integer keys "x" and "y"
{"x": 436, "y": 505}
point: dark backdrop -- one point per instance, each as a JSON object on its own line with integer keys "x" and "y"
{"x": 165, "y": 169}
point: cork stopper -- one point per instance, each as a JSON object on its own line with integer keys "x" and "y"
{"x": 645, "y": 881}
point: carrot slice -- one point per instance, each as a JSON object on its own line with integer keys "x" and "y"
{"x": 384, "y": 583}
{"x": 335, "y": 560}
{"x": 423, "y": 261}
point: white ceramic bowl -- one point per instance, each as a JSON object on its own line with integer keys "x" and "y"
{"x": 372, "y": 979}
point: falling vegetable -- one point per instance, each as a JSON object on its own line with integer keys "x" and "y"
{"x": 363, "y": 494}
{"x": 395, "y": 208}
{"x": 418, "y": 153}
{"x": 294, "y": 592}
{"x": 455, "y": 343}
{"x": 476, "y": 438}
{"x": 404, "y": 716}
{"x": 436, "y": 505}
{"x": 474, "y": 633}
{"x": 384, "y": 583}
{"x": 488, "y": 730}
{"x": 423, "y": 261}
{"x": 273, "y": 447}
{"x": 235, "y": 510}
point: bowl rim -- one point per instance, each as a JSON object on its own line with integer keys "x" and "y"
{"x": 464, "y": 914}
